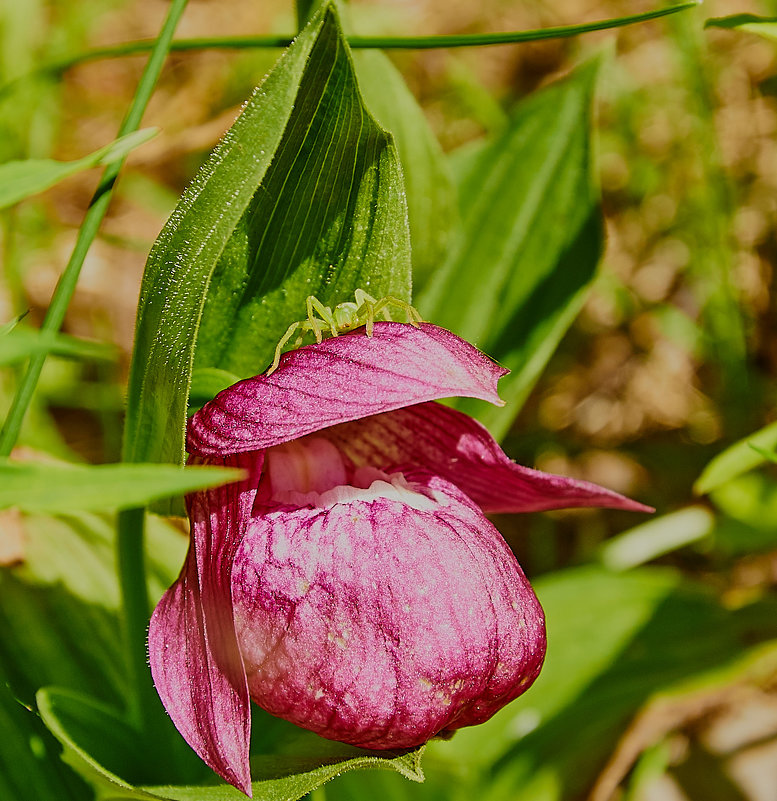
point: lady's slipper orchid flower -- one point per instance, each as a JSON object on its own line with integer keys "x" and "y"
{"x": 351, "y": 583}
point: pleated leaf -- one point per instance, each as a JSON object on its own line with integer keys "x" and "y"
{"x": 329, "y": 217}
{"x": 303, "y": 196}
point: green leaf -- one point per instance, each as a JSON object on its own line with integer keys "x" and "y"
{"x": 50, "y": 633}
{"x": 751, "y": 499}
{"x": 431, "y": 195}
{"x": 768, "y": 456}
{"x": 748, "y": 504}
{"x": 20, "y": 343}
{"x": 6, "y": 328}
{"x": 763, "y": 26}
{"x": 66, "y": 487}
{"x": 737, "y": 459}
{"x": 76, "y": 553}
{"x": 532, "y": 240}
{"x": 58, "y": 621}
{"x": 20, "y": 179}
{"x": 93, "y": 737}
{"x": 91, "y": 732}
{"x": 657, "y": 537}
{"x": 29, "y": 758}
{"x": 329, "y": 217}
{"x": 303, "y": 196}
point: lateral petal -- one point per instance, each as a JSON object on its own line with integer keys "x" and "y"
{"x": 193, "y": 650}
{"x": 459, "y": 449}
{"x": 343, "y": 378}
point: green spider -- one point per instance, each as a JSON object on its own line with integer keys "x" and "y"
{"x": 344, "y": 317}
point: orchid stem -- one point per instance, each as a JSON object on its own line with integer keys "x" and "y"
{"x": 134, "y": 594}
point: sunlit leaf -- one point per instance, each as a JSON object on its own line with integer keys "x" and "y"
{"x": 303, "y": 196}
{"x": 737, "y": 459}
{"x": 657, "y": 537}
{"x": 328, "y": 217}
{"x": 751, "y": 499}
{"x": 532, "y": 240}
{"x": 66, "y": 487}
{"x": 748, "y": 507}
{"x": 58, "y": 604}
{"x": 20, "y": 179}
{"x": 768, "y": 455}
{"x": 207, "y": 382}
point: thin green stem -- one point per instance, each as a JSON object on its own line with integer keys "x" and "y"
{"x": 366, "y": 42}
{"x": 510, "y": 37}
{"x": 56, "y": 314}
{"x": 143, "y": 704}
{"x": 136, "y": 607}
{"x": 92, "y": 220}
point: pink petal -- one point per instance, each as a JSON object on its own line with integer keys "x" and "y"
{"x": 193, "y": 650}
{"x": 342, "y": 378}
{"x": 382, "y": 622}
{"x": 456, "y": 447}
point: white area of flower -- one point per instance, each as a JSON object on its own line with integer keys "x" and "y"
{"x": 311, "y": 472}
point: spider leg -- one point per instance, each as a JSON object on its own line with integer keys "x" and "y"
{"x": 413, "y": 317}
{"x": 380, "y": 307}
{"x": 362, "y": 297}
{"x": 327, "y": 318}
{"x": 369, "y": 318}
{"x": 284, "y": 339}
{"x": 366, "y": 309}
{"x": 303, "y": 327}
